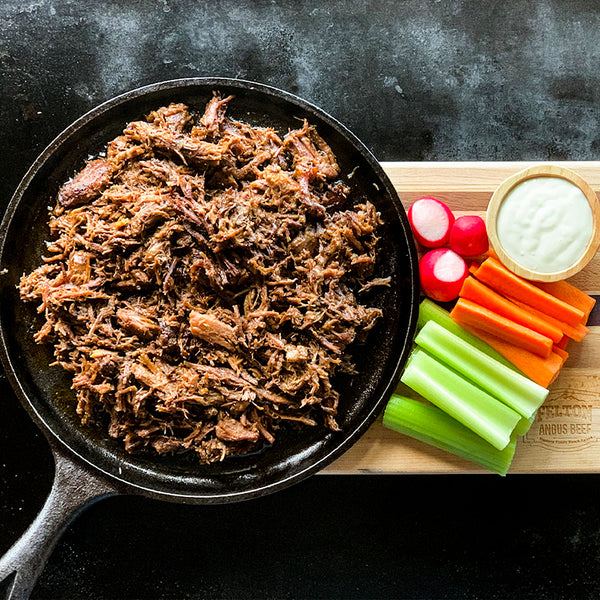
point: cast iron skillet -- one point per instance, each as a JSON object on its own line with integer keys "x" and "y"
{"x": 90, "y": 466}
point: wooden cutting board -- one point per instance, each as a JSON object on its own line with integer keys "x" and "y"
{"x": 565, "y": 438}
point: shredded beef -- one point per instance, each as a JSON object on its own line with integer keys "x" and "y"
{"x": 202, "y": 283}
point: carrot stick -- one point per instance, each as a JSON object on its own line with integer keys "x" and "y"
{"x": 468, "y": 313}
{"x": 541, "y": 370}
{"x": 570, "y": 294}
{"x": 563, "y": 343}
{"x": 498, "y": 277}
{"x": 562, "y": 353}
{"x": 575, "y": 332}
{"x": 484, "y": 296}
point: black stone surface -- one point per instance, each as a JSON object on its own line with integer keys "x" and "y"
{"x": 415, "y": 81}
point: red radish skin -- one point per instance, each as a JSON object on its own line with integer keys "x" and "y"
{"x": 468, "y": 236}
{"x": 442, "y": 273}
{"x": 431, "y": 221}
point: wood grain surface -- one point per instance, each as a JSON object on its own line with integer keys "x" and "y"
{"x": 565, "y": 438}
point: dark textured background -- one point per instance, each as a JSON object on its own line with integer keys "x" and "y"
{"x": 415, "y": 81}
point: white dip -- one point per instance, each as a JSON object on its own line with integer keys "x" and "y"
{"x": 545, "y": 224}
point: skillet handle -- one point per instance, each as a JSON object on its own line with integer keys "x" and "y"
{"x": 75, "y": 486}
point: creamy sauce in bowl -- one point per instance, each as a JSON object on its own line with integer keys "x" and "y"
{"x": 545, "y": 224}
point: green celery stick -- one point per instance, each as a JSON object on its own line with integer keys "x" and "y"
{"x": 433, "y": 426}
{"x": 517, "y": 391}
{"x": 467, "y": 403}
{"x": 430, "y": 311}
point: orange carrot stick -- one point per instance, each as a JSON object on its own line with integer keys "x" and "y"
{"x": 541, "y": 370}
{"x": 570, "y": 294}
{"x": 562, "y": 353}
{"x": 498, "y": 277}
{"x": 575, "y": 332}
{"x": 484, "y": 296}
{"x": 468, "y": 313}
{"x": 563, "y": 343}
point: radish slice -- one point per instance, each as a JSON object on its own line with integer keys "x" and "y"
{"x": 468, "y": 236}
{"x": 442, "y": 273}
{"x": 431, "y": 221}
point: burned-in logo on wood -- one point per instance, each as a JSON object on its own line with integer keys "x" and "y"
{"x": 565, "y": 421}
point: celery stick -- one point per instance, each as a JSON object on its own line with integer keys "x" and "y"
{"x": 430, "y": 311}
{"x": 433, "y": 426}
{"x": 468, "y": 404}
{"x": 517, "y": 391}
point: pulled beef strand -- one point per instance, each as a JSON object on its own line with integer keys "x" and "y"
{"x": 201, "y": 283}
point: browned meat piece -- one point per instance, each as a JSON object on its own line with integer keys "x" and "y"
{"x": 209, "y": 328}
{"x": 136, "y": 323}
{"x": 175, "y": 117}
{"x": 202, "y": 283}
{"x": 214, "y": 114}
{"x": 79, "y": 267}
{"x": 86, "y": 185}
{"x": 379, "y": 282}
{"x": 230, "y": 430}
{"x": 164, "y": 140}
{"x": 149, "y": 214}
{"x": 295, "y": 354}
{"x": 311, "y": 151}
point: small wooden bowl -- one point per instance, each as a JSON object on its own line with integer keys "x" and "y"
{"x": 543, "y": 171}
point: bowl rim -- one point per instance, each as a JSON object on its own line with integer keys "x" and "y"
{"x": 549, "y": 170}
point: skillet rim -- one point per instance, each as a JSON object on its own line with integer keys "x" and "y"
{"x": 377, "y": 402}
